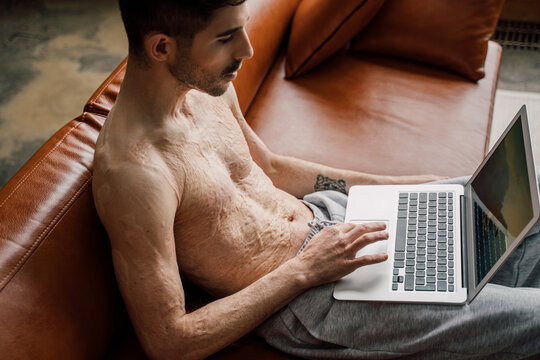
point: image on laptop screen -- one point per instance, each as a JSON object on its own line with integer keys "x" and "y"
{"x": 501, "y": 201}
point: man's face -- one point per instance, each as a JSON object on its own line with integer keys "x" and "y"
{"x": 217, "y": 52}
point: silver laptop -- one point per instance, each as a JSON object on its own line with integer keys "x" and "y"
{"x": 447, "y": 241}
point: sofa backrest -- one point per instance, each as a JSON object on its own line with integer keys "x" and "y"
{"x": 267, "y": 28}
{"x": 58, "y": 294}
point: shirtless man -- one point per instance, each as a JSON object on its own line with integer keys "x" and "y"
{"x": 184, "y": 186}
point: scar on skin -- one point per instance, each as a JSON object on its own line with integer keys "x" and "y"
{"x": 139, "y": 151}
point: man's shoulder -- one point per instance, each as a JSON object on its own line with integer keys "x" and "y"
{"x": 122, "y": 158}
{"x": 126, "y": 171}
{"x": 128, "y": 181}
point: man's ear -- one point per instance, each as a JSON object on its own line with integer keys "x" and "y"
{"x": 159, "y": 47}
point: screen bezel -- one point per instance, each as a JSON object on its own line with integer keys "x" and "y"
{"x": 473, "y": 287}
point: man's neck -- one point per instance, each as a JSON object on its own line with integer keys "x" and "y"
{"x": 154, "y": 93}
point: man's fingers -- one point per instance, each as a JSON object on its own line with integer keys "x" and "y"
{"x": 369, "y": 238}
{"x": 359, "y": 229}
{"x": 346, "y": 227}
{"x": 369, "y": 260}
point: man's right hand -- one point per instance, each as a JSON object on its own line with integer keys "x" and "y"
{"x": 331, "y": 254}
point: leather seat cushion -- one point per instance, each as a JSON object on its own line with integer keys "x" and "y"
{"x": 380, "y": 115}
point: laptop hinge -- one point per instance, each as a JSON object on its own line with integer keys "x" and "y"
{"x": 464, "y": 262}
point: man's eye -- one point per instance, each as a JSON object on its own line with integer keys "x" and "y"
{"x": 225, "y": 40}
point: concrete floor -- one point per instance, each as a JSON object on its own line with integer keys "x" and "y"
{"x": 55, "y": 53}
{"x": 53, "y": 56}
{"x": 520, "y": 70}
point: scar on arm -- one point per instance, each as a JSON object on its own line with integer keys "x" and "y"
{"x": 326, "y": 183}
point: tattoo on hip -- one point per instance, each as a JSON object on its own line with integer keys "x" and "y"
{"x": 326, "y": 183}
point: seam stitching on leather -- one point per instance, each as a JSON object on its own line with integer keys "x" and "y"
{"x": 41, "y": 236}
{"x": 328, "y": 38}
{"x": 39, "y": 163}
{"x": 91, "y": 101}
{"x": 101, "y": 89}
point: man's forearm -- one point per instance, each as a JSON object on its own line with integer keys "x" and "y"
{"x": 218, "y": 324}
{"x": 299, "y": 177}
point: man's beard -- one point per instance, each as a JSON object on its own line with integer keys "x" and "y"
{"x": 189, "y": 75}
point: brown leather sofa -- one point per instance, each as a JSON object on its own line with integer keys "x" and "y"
{"x": 368, "y": 112}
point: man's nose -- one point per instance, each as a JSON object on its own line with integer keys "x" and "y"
{"x": 244, "y": 50}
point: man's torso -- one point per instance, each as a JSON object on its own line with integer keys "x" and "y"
{"x": 232, "y": 226}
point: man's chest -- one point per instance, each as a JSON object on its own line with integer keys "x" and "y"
{"x": 217, "y": 147}
{"x": 221, "y": 201}
{"x": 216, "y": 161}
{"x": 223, "y": 148}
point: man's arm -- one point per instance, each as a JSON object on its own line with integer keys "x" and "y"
{"x": 299, "y": 177}
{"x": 138, "y": 208}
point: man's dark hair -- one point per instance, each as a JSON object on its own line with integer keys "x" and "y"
{"x": 180, "y": 19}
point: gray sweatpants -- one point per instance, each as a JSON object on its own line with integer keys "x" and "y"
{"x": 502, "y": 322}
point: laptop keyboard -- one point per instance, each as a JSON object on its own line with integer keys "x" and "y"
{"x": 424, "y": 253}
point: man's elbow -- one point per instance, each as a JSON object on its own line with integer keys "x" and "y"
{"x": 272, "y": 165}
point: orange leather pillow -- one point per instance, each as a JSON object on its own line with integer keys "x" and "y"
{"x": 450, "y": 33}
{"x": 322, "y": 27}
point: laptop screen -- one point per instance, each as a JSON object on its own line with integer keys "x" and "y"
{"x": 501, "y": 201}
